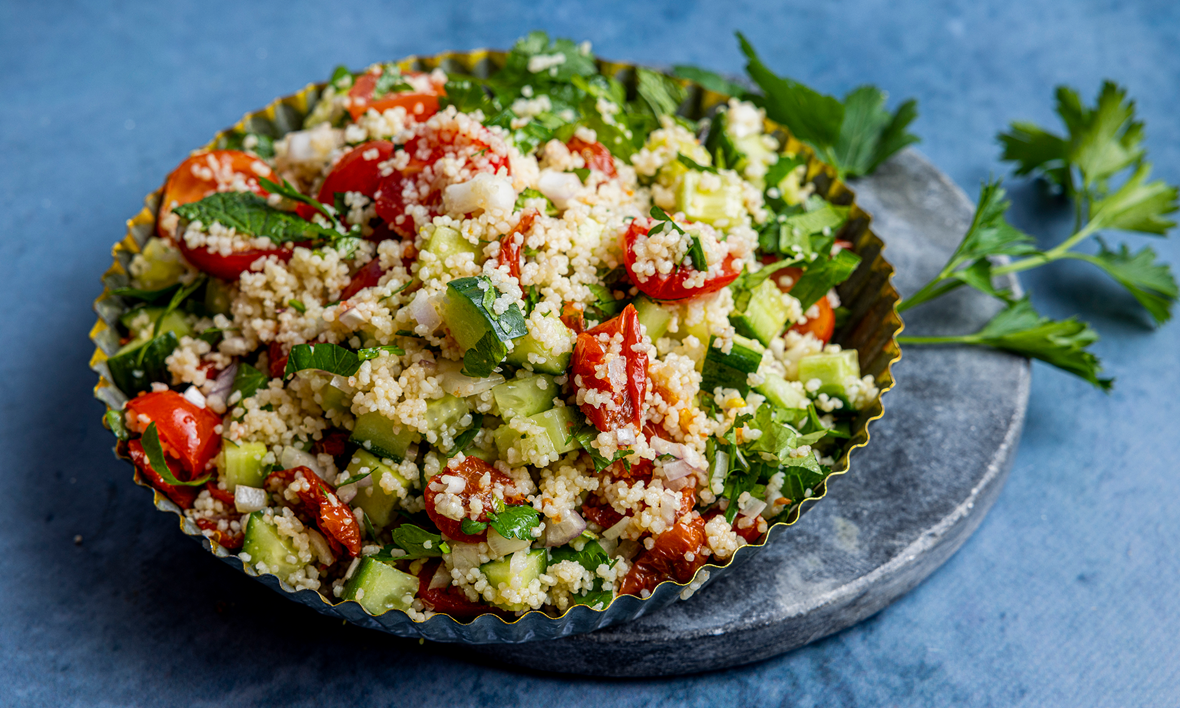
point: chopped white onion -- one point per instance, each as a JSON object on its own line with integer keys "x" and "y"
{"x": 753, "y": 507}
{"x": 455, "y": 485}
{"x": 720, "y": 470}
{"x": 351, "y": 318}
{"x": 193, "y": 395}
{"x": 346, "y": 493}
{"x": 680, "y": 452}
{"x": 559, "y": 187}
{"x": 500, "y": 546}
{"x": 559, "y": 533}
{"x": 625, "y": 436}
{"x": 422, "y": 311}
{"x": 247, "y": 500}
{"x": 441, "y": 577}
{"x": 454, "y": 382}
{"x": 617, "y": 530}
{"x": 677, "y": 469}
{"x": 484, "y": 191}
{"x": 464, "y": 556}
{"x": 676, "y": 484}
{"x": 293, "y": 457}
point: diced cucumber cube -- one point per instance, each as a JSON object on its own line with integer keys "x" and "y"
{"x": 559, "y": 426}
{"x": 381, "y": 436}
{"x": 242, "y": 463}
{"x": 653, "y": 316}
{"x": 525, "y": 395}
{"x": 783, "y": 393}
{"x": 175, "y": 322}
{"x": 333, "y": 399}
{"x": 479, "y": 331}
{"x": 831, "y": 370}
{"x": 760, "y": 313}
{"x": 501, "y": 576}
{"x": 265, "y": 545}
{"x": 446, "y": 242}
{"x": 723, "y": 204}
{"x": 530, "y": 354}
{"x": 161, "y": 265}
{"x": 731, "y": 370}
{"x": 373, "y": 499}
{"x": 379, "y": 587}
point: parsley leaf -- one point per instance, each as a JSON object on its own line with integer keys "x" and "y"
{"x": 417, "y": 542}
{"x": 854, "y": 136}
{"x": 661, "y": 94}
{"x": 159, "y": 463}
{"x": 1018, "y": 328}
{"x": 822, "y": 275}
{"x": 710, "y": 80}
{"x": 1150, "y": 282}
{"x": 248, "y": 380}
{"x": 1136, "y": 206}
{"x": 516, "y": 522}
{"x": 465, "y": 438}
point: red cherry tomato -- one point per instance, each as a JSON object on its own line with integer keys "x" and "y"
{"x": 671, "y": 286}
{"x": 225, "y": 539}
{"x": 511, "y": 247}
{"x": 666, "y": 559}
{"x": 197, "y": 177}
{"x": 368, "y": 276}
{"x": 596, "y": 155}
{"x": 357, "y": 171}
{"x": 573, "y": 316}
{"x": 410, "y": 186}
{"x": 278, "y": 360}
{"x": 448, "y": 600}
{"x": 626, "y": 383}
{"x": 599, "y": 512}
{"x": 334, "y": 442}
{"x": 182, "y": 496}
{"x": 187, "y": 431}
{"x": 419, "y": 105}
{"x": 221, "y": 495}
{"x": 471, "y": 471}
{"x": 228, "y": 267}
{"x": 823, "y": 325}
{"x": 319, "y": 501}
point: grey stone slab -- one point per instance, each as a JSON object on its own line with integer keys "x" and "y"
{"x": 935, "y": 465}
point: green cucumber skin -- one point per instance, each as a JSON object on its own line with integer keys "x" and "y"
{"x": 373, "y": 500}
{"x": 374, "y": 432}
{"x": 763, "y": 315}
{"x": 730, "y": 370}
{"x": 385, "y": 587}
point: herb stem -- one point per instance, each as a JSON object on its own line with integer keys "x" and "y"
{"x": 947, "y": 339}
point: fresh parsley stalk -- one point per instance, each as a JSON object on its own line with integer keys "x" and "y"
{"x": 1102, "y": 143}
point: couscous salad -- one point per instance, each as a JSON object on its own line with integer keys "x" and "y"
{"x": 466, "y": 345}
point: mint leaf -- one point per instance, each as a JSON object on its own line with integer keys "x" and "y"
{"x": 250, "y": 215}
{"x": 660, "y": 94}
{"x": 326, "y": 357}
{"x": 159, "y": 463}
{"x": 473, "y": 528}
{"x": 1150, "y": 282}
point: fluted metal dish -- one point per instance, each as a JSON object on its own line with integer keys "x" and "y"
{"x": 871, "y": 329}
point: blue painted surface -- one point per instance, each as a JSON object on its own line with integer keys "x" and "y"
{"x": 1065, "y": 596}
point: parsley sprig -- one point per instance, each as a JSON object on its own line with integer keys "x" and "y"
{"x": 1102, "y": 145}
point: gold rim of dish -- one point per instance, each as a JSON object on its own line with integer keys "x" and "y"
{"x": 872, "y": 328}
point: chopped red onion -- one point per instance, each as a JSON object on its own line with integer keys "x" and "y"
{"x": 677, "y": 469}
{"x": 559, "y": 533}
{"x": 224, "y": 383}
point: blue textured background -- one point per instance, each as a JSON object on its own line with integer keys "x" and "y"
{"x": 1067, "y": 595}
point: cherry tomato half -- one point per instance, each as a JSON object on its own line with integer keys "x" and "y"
{"x": 182, "y": 496}
{"x": 407, "y": 187}
{"x": 625, "y": 376}
{"x": 471, "y": 471}
{"x": 671, "y": 286}
{"x": 449, "y": 600}
{"x": 357, "y": 171}
{"x": 187, "y": 431}
{"x": 512, "y": 248}
{"x": 596, "y": 155}
{"x": 419, "y": 105}
{"x": 822, "y": 326}
{"x": 333, "y": 517}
